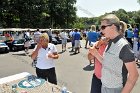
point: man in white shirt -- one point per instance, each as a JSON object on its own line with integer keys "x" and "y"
{"x": 45, "y": 53}
{"x": 36, "y": 35}
{"x": 27, "y": 41}
{"x": 72, "y": 41}
{"x": 64, "y": 37}
{"x": 50, "y": 35}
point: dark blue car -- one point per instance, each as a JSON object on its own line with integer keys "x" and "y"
{"x": 15, "y": 45}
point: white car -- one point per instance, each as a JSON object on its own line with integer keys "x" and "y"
{"x": 4, "y": 47}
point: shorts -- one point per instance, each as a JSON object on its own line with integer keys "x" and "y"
{"x": 77, "y": 44}
{"x": 27, "y": 44}
{"x": 64, "y": 41}
{"x": 47, "y": 74}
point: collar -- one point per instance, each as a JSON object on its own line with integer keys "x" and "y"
{"x": 45, "y": 47}
{"x": 116, "y": 39}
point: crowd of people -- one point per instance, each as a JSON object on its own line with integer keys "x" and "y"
{"x": 113, "y": 49}
{"x": 109, "y": 50}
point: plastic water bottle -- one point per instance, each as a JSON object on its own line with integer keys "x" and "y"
{"x": 14, "y": 88}
{"x": 64, "y": 90}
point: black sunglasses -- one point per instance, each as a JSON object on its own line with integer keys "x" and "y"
{"x": 103, "y": 26}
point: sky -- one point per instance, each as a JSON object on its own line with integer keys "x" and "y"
{"x": 95, "y": 8}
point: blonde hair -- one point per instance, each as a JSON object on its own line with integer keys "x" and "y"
{"x": 112, "y": 19}
{"x": 123, "y": 27}
{"x": 93, "y": 28}
{"x": 44, "y": 35}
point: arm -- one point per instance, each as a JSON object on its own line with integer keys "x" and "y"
{"x": 96, "y": 54}
{"x": 90, "y": 56}
{"x": 94, "y": 51}
{"x": 35, "y": 53}
{"x": 53, "y": 55}
{"x": 132, "y": 77}
{"x": 60, "y": 36}
{"x": 127, "y": 55}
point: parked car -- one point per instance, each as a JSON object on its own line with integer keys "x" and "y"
{"x": 59, "y": 40}
{"x": 54, "y": 41}
{"x": 15, "y": 45}
{"x": 33, "y": 44}
{"x": 3, "y": 47}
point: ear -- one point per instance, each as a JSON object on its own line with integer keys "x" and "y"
{"x": 113, "y": 27}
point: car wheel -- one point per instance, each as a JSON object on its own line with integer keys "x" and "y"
{"x": 14, "y": 48}
{"x": 55, "y": 43}
{"x": 7, "y": 50}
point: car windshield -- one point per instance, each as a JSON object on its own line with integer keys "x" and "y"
{"x": 18, "y": 41}
{"x": 2, "y": 44}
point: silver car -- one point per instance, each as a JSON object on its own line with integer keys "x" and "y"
{"x": 4, "y": 47}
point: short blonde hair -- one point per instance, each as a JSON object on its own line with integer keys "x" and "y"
{"x": 44, "y": 35}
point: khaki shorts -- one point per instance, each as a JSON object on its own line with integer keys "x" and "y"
{"x": 77, "y": 43}
{"x": 64, "y": 41}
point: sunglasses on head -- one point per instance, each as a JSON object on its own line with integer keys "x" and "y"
{"x": 104, "y": 26}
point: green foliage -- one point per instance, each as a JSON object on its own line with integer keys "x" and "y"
{"x": 85, "y": 22}
{"x": 52, "y": 13}
{"x": 132, "y": 17}
{"x": 138, "y": 1}
{"x": 62, "y": 12}
{"x": 37, "y": 13}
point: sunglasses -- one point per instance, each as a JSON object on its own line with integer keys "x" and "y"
{"x": 104, "y": 26}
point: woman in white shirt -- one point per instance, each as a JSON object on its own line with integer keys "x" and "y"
{"x": 45, "y": 53}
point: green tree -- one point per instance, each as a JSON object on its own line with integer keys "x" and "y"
{"x": 122, "y": 14}
{"x": 37, "y": 13}
{"x": 138, "y": 1}
{"x": 6, "y": 13}
{"x": 62, "y": 12}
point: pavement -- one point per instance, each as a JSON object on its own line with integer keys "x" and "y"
{"x": 72, "y": 71}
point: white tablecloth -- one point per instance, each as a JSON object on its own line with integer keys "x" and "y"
{"x": 13, "y": 77}
{"x": 40, "y": 89}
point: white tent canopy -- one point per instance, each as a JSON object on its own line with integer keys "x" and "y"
{"x": 25, "y": 29}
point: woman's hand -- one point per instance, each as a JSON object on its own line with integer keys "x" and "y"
{"x": 53, "y": 55}
{"x": 93, "y": 51}
{"x": 39, "y": 46}
{"x": 50, "y": 55}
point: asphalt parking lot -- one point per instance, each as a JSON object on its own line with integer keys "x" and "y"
{"x": 72, "y": 71}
